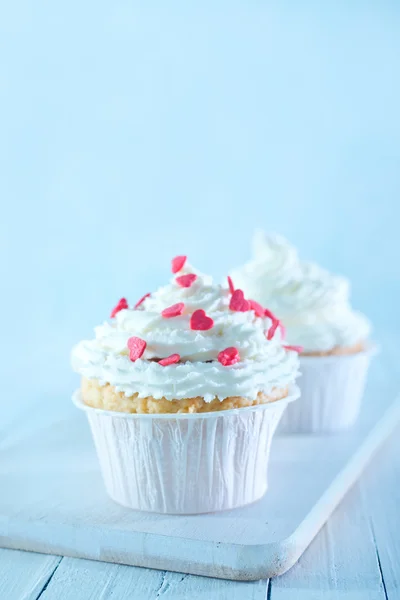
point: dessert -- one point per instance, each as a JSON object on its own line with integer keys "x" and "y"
{"x": 315, "y": 310}
{"x": 203, "y": 369}
{"x": 312, "y": 303}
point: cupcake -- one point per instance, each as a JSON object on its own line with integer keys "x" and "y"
{"x": 183, "y": 392}
{"x": 332, "y": 338}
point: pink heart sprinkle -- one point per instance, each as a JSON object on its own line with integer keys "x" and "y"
{"x": 258, "y": 309}
{"x": 199, "y": 321}
{"x": 173, "y": 311}
{"x": 294, "y": 348}
{"x": 186, "y": 280}
{"x": 169, "y": 360}
{"x": 272, "y": 329}
{"x": 142, "y": 299}
{"x": 122, "y": 304}
{"x": 229, "y": 356}
{"x": 268, "y": 313}
{"x": 231, "y": 286}
{"x": 275, "y": 324}
{"x": 238, "y": 302}
{"x": 136, "y": 348}
{"x": 178, "y": 263}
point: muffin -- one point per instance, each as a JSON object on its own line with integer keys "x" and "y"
{"x": 183, "y": 392}
{"x": 332, "y": 338}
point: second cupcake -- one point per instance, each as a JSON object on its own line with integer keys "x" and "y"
{"x": 332, "y": 338}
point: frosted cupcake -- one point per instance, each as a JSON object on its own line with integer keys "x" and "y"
{"x": 183, "y": 392}
{"x": 314, "y": 307}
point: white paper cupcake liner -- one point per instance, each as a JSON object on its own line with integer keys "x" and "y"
{"x": 185, "y": 463}
{"x": 331, "y": 392}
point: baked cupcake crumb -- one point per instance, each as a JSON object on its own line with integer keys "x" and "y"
{"x": 338, "y": 350}
{"x": 107, "y": 398}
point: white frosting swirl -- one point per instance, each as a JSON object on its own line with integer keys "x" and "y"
{"x": 312, "y": 303}
{"x": 264, "y": 364}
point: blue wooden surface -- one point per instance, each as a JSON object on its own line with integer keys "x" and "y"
{"x": 356, "y": 555}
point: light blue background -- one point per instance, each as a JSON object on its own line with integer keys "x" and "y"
{"x": 131, "y": 132}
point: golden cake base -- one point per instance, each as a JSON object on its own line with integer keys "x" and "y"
{"x": 105, "y": 397}
{"x": 338, "y": 350}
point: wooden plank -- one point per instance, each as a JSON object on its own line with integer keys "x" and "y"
{"x": 23, "y": 575}
{"x": 340, "y": 562}
{"x": 54, "y": 501}
{"x": 78, "y": 579}
{"x": 381, "y": 495}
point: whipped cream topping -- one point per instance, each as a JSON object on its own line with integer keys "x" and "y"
{"x": 312, "y": 303}
{"x": 263, "y": 365}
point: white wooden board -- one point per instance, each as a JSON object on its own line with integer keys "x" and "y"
{"x": 52, "y": 499}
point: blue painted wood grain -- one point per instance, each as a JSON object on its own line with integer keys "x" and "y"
{"x": 355, "y": 557}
